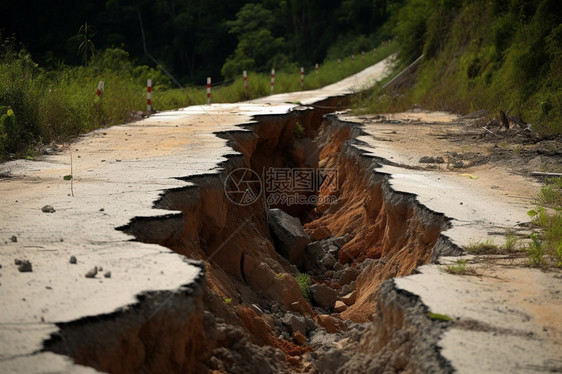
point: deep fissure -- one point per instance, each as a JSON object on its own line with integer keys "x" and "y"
{"x": 248, "y": 314}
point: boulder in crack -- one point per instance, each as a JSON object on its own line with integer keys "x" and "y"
{"x": 323, "y": 296}
{"x": 288, "y": 235}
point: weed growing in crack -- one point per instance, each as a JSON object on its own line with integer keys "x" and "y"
{"x": 227, "y": 300}
{"x": 535, "y": 251}
{"x": 482, "y": 247}
{"x": 441, "y": 317}
{"x": 547, "y": 244}
{"x": 460, "y": 268}
{"x": 303, "y": 280}
{"x": 510, "y": 241}
{"x": 299, "y": 131}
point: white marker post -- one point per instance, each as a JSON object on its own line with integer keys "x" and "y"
{"x": 245, "y": 81}
{"x": 149, "y": 95}
{"x": 316, "y": 68}
{"x": 99, "y": 91}
{"x": 208, "y": 90}
{"x": 272, "y": 80}
{"x": 302, "y": 78}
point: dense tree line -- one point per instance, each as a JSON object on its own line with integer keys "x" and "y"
{"x": 196, "y": 38}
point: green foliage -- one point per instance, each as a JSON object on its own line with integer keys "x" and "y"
{"x": 304, "y": 281}
{"x": 441, "y": 317}
{"x": 51, "y": 106}
{"x": 511, "y": 241}
{"x": 484, "y": 55}
{"x": 487, "y": 246}
{"x": 459, "y": 268}
{"x": 299, "y": 131}
{"x": 535, "y": 251}
{"x": 551, "y": 193}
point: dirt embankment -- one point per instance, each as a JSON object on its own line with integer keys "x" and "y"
{"x": 242, "y": 319}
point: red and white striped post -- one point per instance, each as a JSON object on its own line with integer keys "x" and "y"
{"x": 208, "y": 90}
{"x": 100, "y": 89}
{"x": 302, "y": 78}
{"x": 316, "y": 68}
{"x": 339, "y": 63}
{"x": 272, "y": 79}
{"x": 149, "y": 95}
{"x": 245, "y": 73}
{"x": 362, "y": 55}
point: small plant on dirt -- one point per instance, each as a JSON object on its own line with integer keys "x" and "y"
{"x": 510, "y": 241}
{"x": 547, "y": 245}
{"x": 535, "y": 251}
{"x": 482, "y": 247}
{"x": 551, "y": 193}
{"x": 303, "y": 280}
{"x": 280, "y": 276}
{"x": 441, "y": 317}
{"x": 460, "y": 268}
{"x": 227, "y": 300}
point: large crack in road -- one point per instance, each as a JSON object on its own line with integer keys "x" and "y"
{"x": 223, "y": 212}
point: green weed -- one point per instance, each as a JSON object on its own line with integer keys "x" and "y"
{"x": 485, "y": 247}
{"x": 460, "y": 268}
{"x": 304, "y": 281}
{"x": 441, "y": 317}
{"x": 511, "y": 241}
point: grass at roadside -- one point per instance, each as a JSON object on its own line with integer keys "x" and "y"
{"x": 544, "y": 245}
{"x": 39, "y": 106}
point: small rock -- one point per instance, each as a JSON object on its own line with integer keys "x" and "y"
{"x": 349, "y": 275}
{"x": 102, "y": 210}
{"x": 48, "y": 209}
{"x": 25, "y": 266}
{"x": 459, "y": 164}
{"x": 339, "y": 306}
{"x": 295, "y": 323}
{"x": 427, "y": 160}
{"x": 346, "y": 288}
{"x": 454, "y": 154}
{"x": 17, "y": 261}
{"x": 349, "y": 299}
{"x": 323, "y": 296}
{"x": 107, "y": 274}
{"x": 100, "y": 268}
{"x": 92, "y": 273}
{"x": 299, "y": 338}
{"x": 338, "y": 266}
{"x": 72, "y": 259}
{"x": 14, "y": 239}
{"x": 439, "y": 160}
{"x": 328, "y": 260}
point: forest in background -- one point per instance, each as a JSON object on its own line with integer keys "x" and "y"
{"x": 482, "y": 54}
{"x": 194, "y": 39}
{"x": 477, "y": 54}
